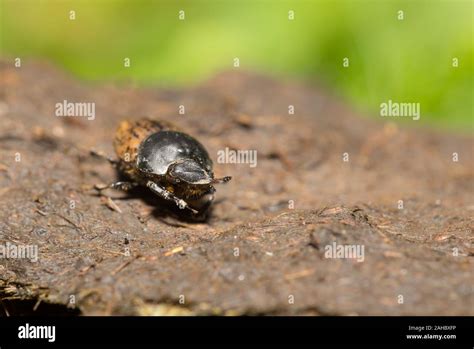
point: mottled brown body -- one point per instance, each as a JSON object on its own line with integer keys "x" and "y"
{"x": 129, "y": 136}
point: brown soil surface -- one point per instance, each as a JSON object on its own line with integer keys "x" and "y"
{"x": 422, "y": 252}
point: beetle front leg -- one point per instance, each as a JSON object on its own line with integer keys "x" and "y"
{"x": 167, "y": 195}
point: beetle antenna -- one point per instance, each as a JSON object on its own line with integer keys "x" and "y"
{"x": 221, "y": 180}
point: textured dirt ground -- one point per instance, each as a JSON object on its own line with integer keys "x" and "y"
{"x": 147, "y": 259}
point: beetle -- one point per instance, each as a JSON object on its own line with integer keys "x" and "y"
{"x": 171, "y": 163}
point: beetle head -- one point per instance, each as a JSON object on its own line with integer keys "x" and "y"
{"x": 192, "y": 172}
{"x": 189, "y": 171}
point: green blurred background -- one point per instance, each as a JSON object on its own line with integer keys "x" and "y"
{"x": 405, "y": 61}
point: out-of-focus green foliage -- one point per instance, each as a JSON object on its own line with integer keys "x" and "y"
{"x": 409, "y": 60}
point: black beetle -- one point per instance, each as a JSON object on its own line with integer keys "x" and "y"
{"x": 171, "y": 163}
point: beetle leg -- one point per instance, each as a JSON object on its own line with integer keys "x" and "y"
{"x": 125, "y": 186}
{"x": 101, "y": 155}
{"x": 165, "y": 194}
